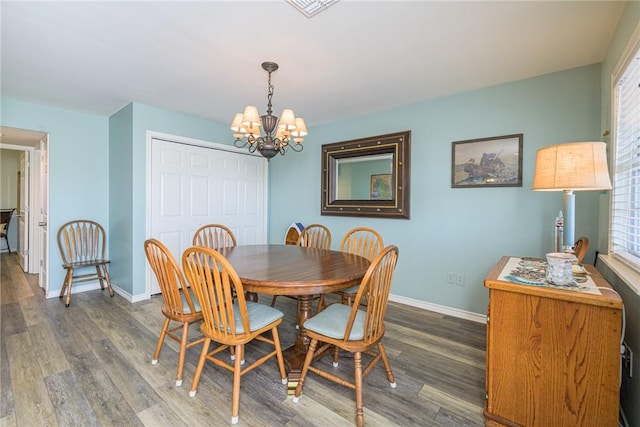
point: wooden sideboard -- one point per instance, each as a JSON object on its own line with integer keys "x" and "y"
{"x": 553, "y": 356}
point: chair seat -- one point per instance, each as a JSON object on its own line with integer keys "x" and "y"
{"x": 185, "y": 304}
{"x": 332, "y": 322}
{"x": 351, "y": 290}
{"x": 260, "y": 315}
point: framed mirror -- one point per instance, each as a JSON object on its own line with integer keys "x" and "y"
{"x": 367, "y": 176}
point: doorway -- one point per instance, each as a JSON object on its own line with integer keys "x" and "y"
{"x": 30, "y": 149}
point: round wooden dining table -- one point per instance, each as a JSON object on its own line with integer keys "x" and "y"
{"x": 295, "y": 270}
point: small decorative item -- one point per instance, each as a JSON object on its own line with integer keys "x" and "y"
{"x": 487, "y": 162}
{"x": 559, "y": 268}
{"x": 559, "y": 232}
{"x": 381, "y": 187}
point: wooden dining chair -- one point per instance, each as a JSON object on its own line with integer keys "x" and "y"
{"x": 5, "y": 221}
{"x": 580, "y": 248}
{"x": 354, "y": 330}
{"x": 365, "y": 242}
{"x": 229, "y": 321}
{"x": 214, "y": 236}
{"x": 82, "y": 245}
{"x": 179, "y": 305}
{"x": 312, "y": 236}
{"x": 315, "y": 236}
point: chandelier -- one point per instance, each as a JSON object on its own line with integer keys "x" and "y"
{"x": 278, "y": 134}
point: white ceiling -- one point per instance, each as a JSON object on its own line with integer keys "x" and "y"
{"x": 203, "y": 58}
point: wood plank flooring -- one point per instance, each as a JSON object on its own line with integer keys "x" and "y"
{"x": 90, "y": 365}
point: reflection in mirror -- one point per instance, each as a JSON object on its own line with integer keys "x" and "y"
{"x": 365, "y": 178}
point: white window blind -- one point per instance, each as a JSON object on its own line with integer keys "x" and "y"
{"x": 625, "y": 203}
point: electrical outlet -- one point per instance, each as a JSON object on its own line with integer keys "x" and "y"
{"x": 460, "y": 279}
{"x": 627, "y": 358}
{"x": 451, "y": 277}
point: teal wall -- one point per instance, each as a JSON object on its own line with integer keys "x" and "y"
{"x": 78, "y": 167}
{"x": 459, "y": 230}
{"x": 121, "y": 198}
{"x": 630, "y": 395}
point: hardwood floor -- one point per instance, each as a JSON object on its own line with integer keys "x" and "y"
{"x": 90, "y": 365}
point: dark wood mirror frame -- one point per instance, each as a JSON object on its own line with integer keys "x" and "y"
{"x": 399, "y": 146}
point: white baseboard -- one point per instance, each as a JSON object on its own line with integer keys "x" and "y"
{"x": 95, "y": 286}
{"x": 455, "y": 312}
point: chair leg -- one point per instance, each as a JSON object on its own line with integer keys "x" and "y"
{"x": 336, "y": 357}
{"x": 100, "y": 277}
{"x": 8, "y": 247}
{"x": 279, "y": 357}
{"x": 235, "y": 400}
{"x": 273, "y": 300}
{"x": 387, "y": 365}
{"x": 64, "y": 284}
{"x": 357, "y": 359}
{"x": 163, "y": 334}
{"x": 203, "y": 357}
{"x": 107, "y": 278}
{"x": 305, "y": 369}
{"x": 183, "y": 351}
{"x": 68, "y": 282}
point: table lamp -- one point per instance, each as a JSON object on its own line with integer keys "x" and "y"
{"x": 569, "y": 167}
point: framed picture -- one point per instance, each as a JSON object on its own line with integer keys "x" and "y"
{"x": 381, "y": 187}
{"x": 487, "y": 162}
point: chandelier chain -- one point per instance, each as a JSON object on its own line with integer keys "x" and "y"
{"x": 269, "y": 96}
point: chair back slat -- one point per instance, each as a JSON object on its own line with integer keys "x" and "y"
{"x": 81, "y": 241}
{"x": 375, "y": 288}
{"x": 214, "y": 236}
{"x": 170, "y": 278}
{"x": 315, "y": 236}
{"x": 214, "y": 279}
{"x": 580, "y": 248}
{"x": 362, "y": 241}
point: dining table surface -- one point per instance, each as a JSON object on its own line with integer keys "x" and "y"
{"x": 277, "y": 269}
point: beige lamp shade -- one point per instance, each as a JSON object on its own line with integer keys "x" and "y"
{"x": 301, "y": 128}
{"x": 287, "y": 120}
{"x": 236, "y": 124}
{"x": 251, "y": 118}
{"x": 577, "y": 166}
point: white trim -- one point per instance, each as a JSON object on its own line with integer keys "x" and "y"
{"x": 151, "y": 134}
{"x": 627, "y": 54}
{"x": 455, "y": 312}
{"x": 627, "y": 274}
{"x": 95, "y": 286}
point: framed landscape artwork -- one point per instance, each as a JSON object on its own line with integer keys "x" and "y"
{"x": 487, "y": 162}
{"x": 381, "y": 187}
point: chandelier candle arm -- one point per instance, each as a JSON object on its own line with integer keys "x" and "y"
{"x": 246, "y": 126}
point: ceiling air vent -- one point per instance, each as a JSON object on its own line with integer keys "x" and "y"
{"x": 310, "y": 8}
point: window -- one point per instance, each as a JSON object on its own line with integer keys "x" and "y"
{"x": 624, "y": 234}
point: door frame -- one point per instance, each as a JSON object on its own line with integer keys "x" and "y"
{"x": 34, "y": 242}
{"x": 198, "y": 143}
